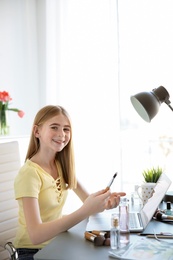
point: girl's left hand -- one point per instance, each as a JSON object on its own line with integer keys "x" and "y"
{"x": 114, "y": 199}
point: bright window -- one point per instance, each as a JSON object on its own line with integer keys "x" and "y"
{"x": 109, "y": 50}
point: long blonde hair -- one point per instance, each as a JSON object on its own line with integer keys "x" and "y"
{"x": 66, "y": 156}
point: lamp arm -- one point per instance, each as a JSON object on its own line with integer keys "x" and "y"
{"x": 170, "y": 106}
{"x": 168, "y": 102}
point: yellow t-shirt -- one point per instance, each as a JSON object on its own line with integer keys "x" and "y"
{"x": 33, "y": 181}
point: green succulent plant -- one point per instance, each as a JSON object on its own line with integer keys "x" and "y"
{"x": 152, "y": 174}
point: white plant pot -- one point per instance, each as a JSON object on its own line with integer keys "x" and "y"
{"x": 145, "y": 191}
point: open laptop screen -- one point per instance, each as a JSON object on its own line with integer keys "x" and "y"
{"x": 153, "y": 202}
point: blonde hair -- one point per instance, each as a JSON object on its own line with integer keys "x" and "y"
{"x": 66, "y": 156}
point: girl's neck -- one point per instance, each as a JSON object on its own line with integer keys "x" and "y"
{"x": 47, "y": 163}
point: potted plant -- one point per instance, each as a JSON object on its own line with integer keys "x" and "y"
{"x": 152, "y": 174}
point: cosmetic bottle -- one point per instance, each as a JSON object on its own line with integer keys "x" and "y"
{"x": 136, "y": 203}
{"x": 124, "y": 222}
{"x": 114, "y": 232}
{"x": 168, "y": 210}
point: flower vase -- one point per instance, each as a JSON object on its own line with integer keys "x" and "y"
{"x": 4, "y": 127}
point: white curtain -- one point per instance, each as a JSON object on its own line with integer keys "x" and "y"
{"x": 82, "y": 76}
{"x": 88, "y": 86}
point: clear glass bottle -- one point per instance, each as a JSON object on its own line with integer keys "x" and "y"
{"x": 115, "y": 232}
{"x": 136, "y": 203}
{"x": 124, "y": 222}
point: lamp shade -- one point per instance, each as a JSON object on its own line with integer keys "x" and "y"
{"x": 147, "y": 104}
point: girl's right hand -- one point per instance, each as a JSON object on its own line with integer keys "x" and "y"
{"x": 96, "y": 202}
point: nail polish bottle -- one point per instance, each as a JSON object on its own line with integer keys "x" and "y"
{"x": 168, "y": 210}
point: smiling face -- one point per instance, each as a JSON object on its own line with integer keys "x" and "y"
{"x": 55, "y": 133}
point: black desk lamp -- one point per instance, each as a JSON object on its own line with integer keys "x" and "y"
{"x": 147, "y": 103}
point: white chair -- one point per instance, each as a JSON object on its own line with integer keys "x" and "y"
{"x": 9, "y": 167}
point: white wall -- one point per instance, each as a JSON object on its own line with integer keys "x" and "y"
{"x": 19, "y": 61}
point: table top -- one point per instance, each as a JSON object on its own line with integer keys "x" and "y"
{"x": 72, "y": 245}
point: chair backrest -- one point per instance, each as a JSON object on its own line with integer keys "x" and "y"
{"x": 9, "y": 167}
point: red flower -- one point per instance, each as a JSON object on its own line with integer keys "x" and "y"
{"x": 5, "y": 97}
{"x": 21, "y": 113}
{"x": 4, "y": 103}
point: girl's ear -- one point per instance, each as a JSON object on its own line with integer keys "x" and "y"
{"x": 36, "y": 131}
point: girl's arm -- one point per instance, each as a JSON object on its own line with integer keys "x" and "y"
{"x": 81, "y": 192}
{"x": 40, "y": 232}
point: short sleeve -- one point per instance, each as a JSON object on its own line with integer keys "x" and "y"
{"x": 27, "y": 183}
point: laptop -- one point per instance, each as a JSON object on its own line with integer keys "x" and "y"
{"x": 138, "y": 220}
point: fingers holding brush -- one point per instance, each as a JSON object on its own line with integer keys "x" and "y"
{"x": 114, "y": 199}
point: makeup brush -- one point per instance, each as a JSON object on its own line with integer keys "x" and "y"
{"x": 97, "y": 240}
{"x": 111, "y": 181}
{"x": 161, "y": 216}
{"x": 107, "y": 242}
{"x": 101, "y": 233}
